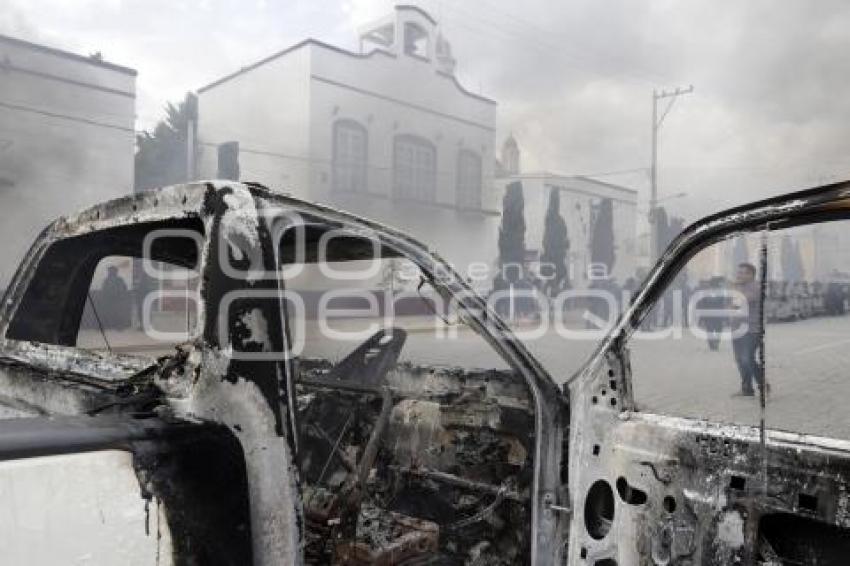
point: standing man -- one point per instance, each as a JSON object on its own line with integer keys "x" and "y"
{"x": 116, "y": 297}
{"x": 746, "y": 329}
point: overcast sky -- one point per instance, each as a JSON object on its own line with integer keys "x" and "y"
{"x": 573, "y": 78}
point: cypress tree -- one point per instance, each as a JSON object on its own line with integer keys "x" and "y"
{"x": 602, "y": 236}
{"x": 556, "y": 246}
{"x": 512, "y": 233}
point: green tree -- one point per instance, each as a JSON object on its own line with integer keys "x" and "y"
{"x": 512, "y": 233}
{"x": 666, "y": 228}
{"x": 740, "y": 252}
{"x": 161, "y": 160}
{"x": 799, "y": 267}
{"x": 161, "y": 154}
{"x": 556, "y": 246}
{"x": 662, "y": 227}
{"x": 788, "y": 259}
{"x": 602, "y": 236}
{"x": 677, "y": 224}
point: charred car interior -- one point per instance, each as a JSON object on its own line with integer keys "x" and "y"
{"x": 244, "y": 450}
{"x": 424, "y": 463}
{"x": 740, "y": 481}
{"x": 402, "y": 462}
{"x": 292, "y": 419}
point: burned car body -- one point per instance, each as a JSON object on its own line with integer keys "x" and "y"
{"x": 248, "y": 453}
{"x": 253, "y": 454}
{"x": 653, "y": 488}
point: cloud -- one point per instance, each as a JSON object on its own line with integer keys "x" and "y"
{"x": 574, "y": 82}
{"x": 573, "y": 79}
{"x": 175, "y": 46}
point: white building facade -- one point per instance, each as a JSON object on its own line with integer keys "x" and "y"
{"x": 66, "y": 139}
{"x": 387, "y": 132}
{"x": 579, "y": 198}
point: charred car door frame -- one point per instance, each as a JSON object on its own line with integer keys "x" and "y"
{"x": 653, "y": 486}
{"x": 233, "y": 498}
{"x": 244, "y": 407}
{"x": 549, "y": 523}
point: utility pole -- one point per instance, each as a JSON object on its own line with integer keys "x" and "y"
{"x": 191, "y": 135}
{"x": 653, "y": 171}
{"x": 190, "y": 150}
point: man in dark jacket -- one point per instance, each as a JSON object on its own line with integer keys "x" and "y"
{"x": 746, "y": 329}
{"x": 115, "y": 296}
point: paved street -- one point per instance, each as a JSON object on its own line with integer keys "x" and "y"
{"x": 807, "y": 367}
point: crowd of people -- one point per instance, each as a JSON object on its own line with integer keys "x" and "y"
{"x": 783, "y": 301}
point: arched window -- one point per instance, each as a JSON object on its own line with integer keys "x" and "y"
{"x": 350, "y": 156}
{"x": 468, "y": 179}
{"x": 414, "y": 168}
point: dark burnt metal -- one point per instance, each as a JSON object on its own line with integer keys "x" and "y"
{"x": 716, "y": 493}
{"x": 223, "y": 405}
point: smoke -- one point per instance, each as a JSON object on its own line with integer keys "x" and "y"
{"x": 573, "y": 79}
{"x": 64, "y": 142}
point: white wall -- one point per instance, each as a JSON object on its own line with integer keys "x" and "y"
{"x": 288, "y": 106}
{"x": 577, "y": 196}
{"x": 64, "y": 144}
{"x": 398, "y": 95}
{"x": 402, "y": 95}
{"x": 266, "y": 110}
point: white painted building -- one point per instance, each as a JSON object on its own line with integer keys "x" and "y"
{"x": 387, "y": 132}
{"x": 66, "y": 139}
{"x": 579, "y": 195}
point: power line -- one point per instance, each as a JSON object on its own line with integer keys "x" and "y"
{"x": 327, "y": 161}
{"x": 534, "y": 40}
{"x": 614, "y": 172}
{"x": 537, "y": 31}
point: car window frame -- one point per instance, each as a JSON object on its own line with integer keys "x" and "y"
{"x": 548, "y": 400}
{"x": 65, "y": 359}
{"x": 803, "y": 208}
